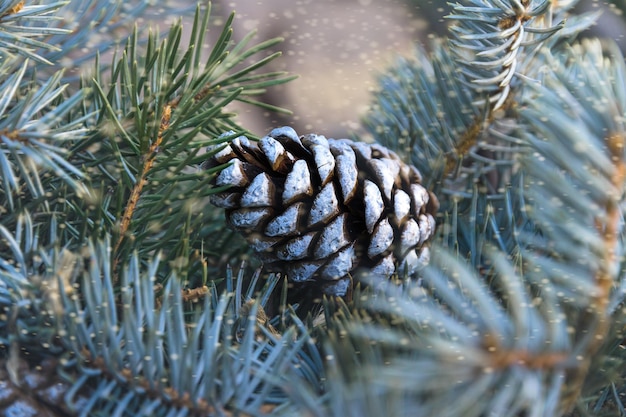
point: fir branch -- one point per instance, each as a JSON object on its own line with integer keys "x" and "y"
{"x": 12, "y": 9}
{"x": 22, "y": 26}
{"x": 489, "y": 39}
{"x": 166, "y": 106}
{"x": 581, "y": 168}
{"x": 407, "y": 114}
{"x": 468, "y": 152}
{"x": 142, "y": 179}
{"x": 201, "y": 368}
{"x": 34, "y": 137}
{"x": 435, "y": 347}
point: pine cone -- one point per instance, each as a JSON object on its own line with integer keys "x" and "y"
{"x": 322, "y": 209}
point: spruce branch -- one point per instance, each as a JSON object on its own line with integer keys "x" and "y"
{"x": 166, "y": 106}
{"x": 24, "y": 25}
{"x": 201, "y": 368}
{"x": 585, "y": 157}
{"x": 94, "y": 26}
{"x": 441, "y": 345}
{"x": 489, "y": 39}
{"x": 542, "y": 179}
{"x": 69, "y": 34}
{"x": 131, "y": 350}
{"x": 142, "y": 179}
{"x": 108, "y": 290}
{"x": 495, "y": 43}
{"x": 34, "y": 135}
{"x": 30, "y": 299}
{"x": 415, "y": 123}
{"x": 468, "y": 152}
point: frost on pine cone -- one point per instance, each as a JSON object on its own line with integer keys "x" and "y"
{"x": 321, "y": 210}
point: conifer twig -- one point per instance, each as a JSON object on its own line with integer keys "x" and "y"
{"x": 464, "y": 146}
{"x": 14, "y": 10}
{"x": 152, "y": 389}
{"x": 135, "y": 194}
{"x": 527, "y": 359}
{"x": 505, "y": 358}
{"x": 193, "y": 295}
{"x": 149, "y": 159}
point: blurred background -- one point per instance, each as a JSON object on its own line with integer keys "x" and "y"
{"x": 337, "y": 48}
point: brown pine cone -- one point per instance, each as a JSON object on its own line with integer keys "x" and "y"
{"x": 320, "y": 209}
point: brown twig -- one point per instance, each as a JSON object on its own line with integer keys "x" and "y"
{"x": 150, "y": 157}
{"x": 467, "y": 142}
{"x": 471, "y": 135}
{"x": 500, "y": 358}
{"x": 193, "y": 295}
{"x": 13, "y": 135}
{"x": 261, "y": 318}
{"x": 529, "y": 360}
{"x": 14, "y": 10}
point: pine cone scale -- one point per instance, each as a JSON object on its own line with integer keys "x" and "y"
{"x": 286, "y": 224}
{"x": 374, "y": 205}
{"x": 298, "y": 183}
{"x": 381, "y": 240}
{"x": 325, "y": 206}
{"x": 259, "y": 192}
{"x": 347, "y": 174}
{"x": 333, "y": 237}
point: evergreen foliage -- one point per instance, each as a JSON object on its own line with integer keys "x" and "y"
{"x": 116, "y": 298}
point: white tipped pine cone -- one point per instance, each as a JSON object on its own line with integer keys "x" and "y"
{"x": 322, "y": 209}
